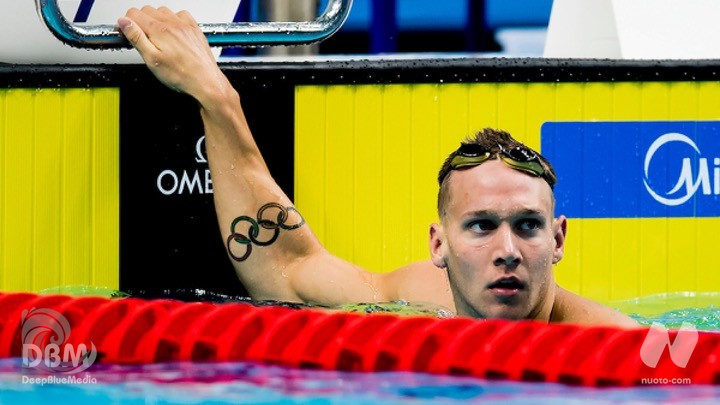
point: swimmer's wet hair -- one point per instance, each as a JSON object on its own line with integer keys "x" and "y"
{"x": 490, "y": 139}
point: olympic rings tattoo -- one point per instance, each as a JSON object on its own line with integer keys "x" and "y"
{"x": 254, "y": 229}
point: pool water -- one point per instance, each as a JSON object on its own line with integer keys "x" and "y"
{"x": 699, "y": 309}
{"x": 248, "y": 382}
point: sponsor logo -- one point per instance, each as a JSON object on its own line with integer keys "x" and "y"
{"x": 688, "y": 182}
{"x": 635, "y": 169}
{"x": 193, "y": 181}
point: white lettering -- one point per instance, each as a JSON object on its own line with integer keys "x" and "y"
{"x": 52, "y": 356}
{"x": 209, "y": 189}
{"x": 190, "y": 183}
{"x": 685, "y": 179}
{"x": 665, "y": 381}
{"x": 160, "y": 181}
{"x": 75, "y": 357}
{"x": 31, "y": 351}
{"x": 73, "y": 360}
{"x": 51, "y": 379}
{"x": 169, "y": 182}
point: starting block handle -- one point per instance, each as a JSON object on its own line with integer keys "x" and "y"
{"x": 217, "y": 34}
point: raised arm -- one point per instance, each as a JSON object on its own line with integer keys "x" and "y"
{"x": 274, "y": 252}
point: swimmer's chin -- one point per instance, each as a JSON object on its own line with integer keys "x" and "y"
{"x": 508, "y": 314}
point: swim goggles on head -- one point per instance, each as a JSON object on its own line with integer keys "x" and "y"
{"x": 518, "y": 157}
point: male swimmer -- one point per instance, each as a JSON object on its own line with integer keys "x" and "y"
{"x": 495, "y": 246}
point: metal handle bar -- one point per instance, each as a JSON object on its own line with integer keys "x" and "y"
{"x": 217, "y": 34}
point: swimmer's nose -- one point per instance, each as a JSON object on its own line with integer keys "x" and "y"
{"x": 506, "y": 249}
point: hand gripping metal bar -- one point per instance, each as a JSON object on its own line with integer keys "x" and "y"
{"x": 217, "y": 34}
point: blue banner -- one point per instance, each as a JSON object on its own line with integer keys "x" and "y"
{"x": 635, "y": 169}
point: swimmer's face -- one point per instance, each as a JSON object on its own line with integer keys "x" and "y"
{"x": 498, "y": 240}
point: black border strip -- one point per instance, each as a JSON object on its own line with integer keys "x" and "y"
{"x": 382, "y": 71}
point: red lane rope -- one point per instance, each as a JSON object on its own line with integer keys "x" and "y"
{"x": 131, "y": 330}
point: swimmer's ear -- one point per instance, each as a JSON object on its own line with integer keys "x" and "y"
{"x": 560, "y": 232}
{"x": 437, "y": 246}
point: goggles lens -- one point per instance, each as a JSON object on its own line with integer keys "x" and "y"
{"x": 522, "y": 158}
{"x": 519, "y": 158}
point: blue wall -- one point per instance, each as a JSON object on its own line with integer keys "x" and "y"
{"x": 449, "y": 15}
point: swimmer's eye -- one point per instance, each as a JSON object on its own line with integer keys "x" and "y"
{"x": 529, "y": 225}
{"x": 482, "y": 225}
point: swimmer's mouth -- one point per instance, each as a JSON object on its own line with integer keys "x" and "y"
{"x": 507, "y": 284}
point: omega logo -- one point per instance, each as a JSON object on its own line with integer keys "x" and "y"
{"x": 196, "y": 181}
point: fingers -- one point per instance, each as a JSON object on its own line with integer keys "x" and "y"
{"x": 173, "y": 47}
{"x": 151, "y": 20}
{"x": 138, "y": 26}
{"x": 164, "y": 14}
{"x": 156, "y": 13}
{"x": 186, "y": 17}
{"x": 165, "y": 10}
{"x": 135, "y": 35}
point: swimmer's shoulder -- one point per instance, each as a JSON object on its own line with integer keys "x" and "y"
{"x": 420, "y": 282}
{"x": 572, "y": 308}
